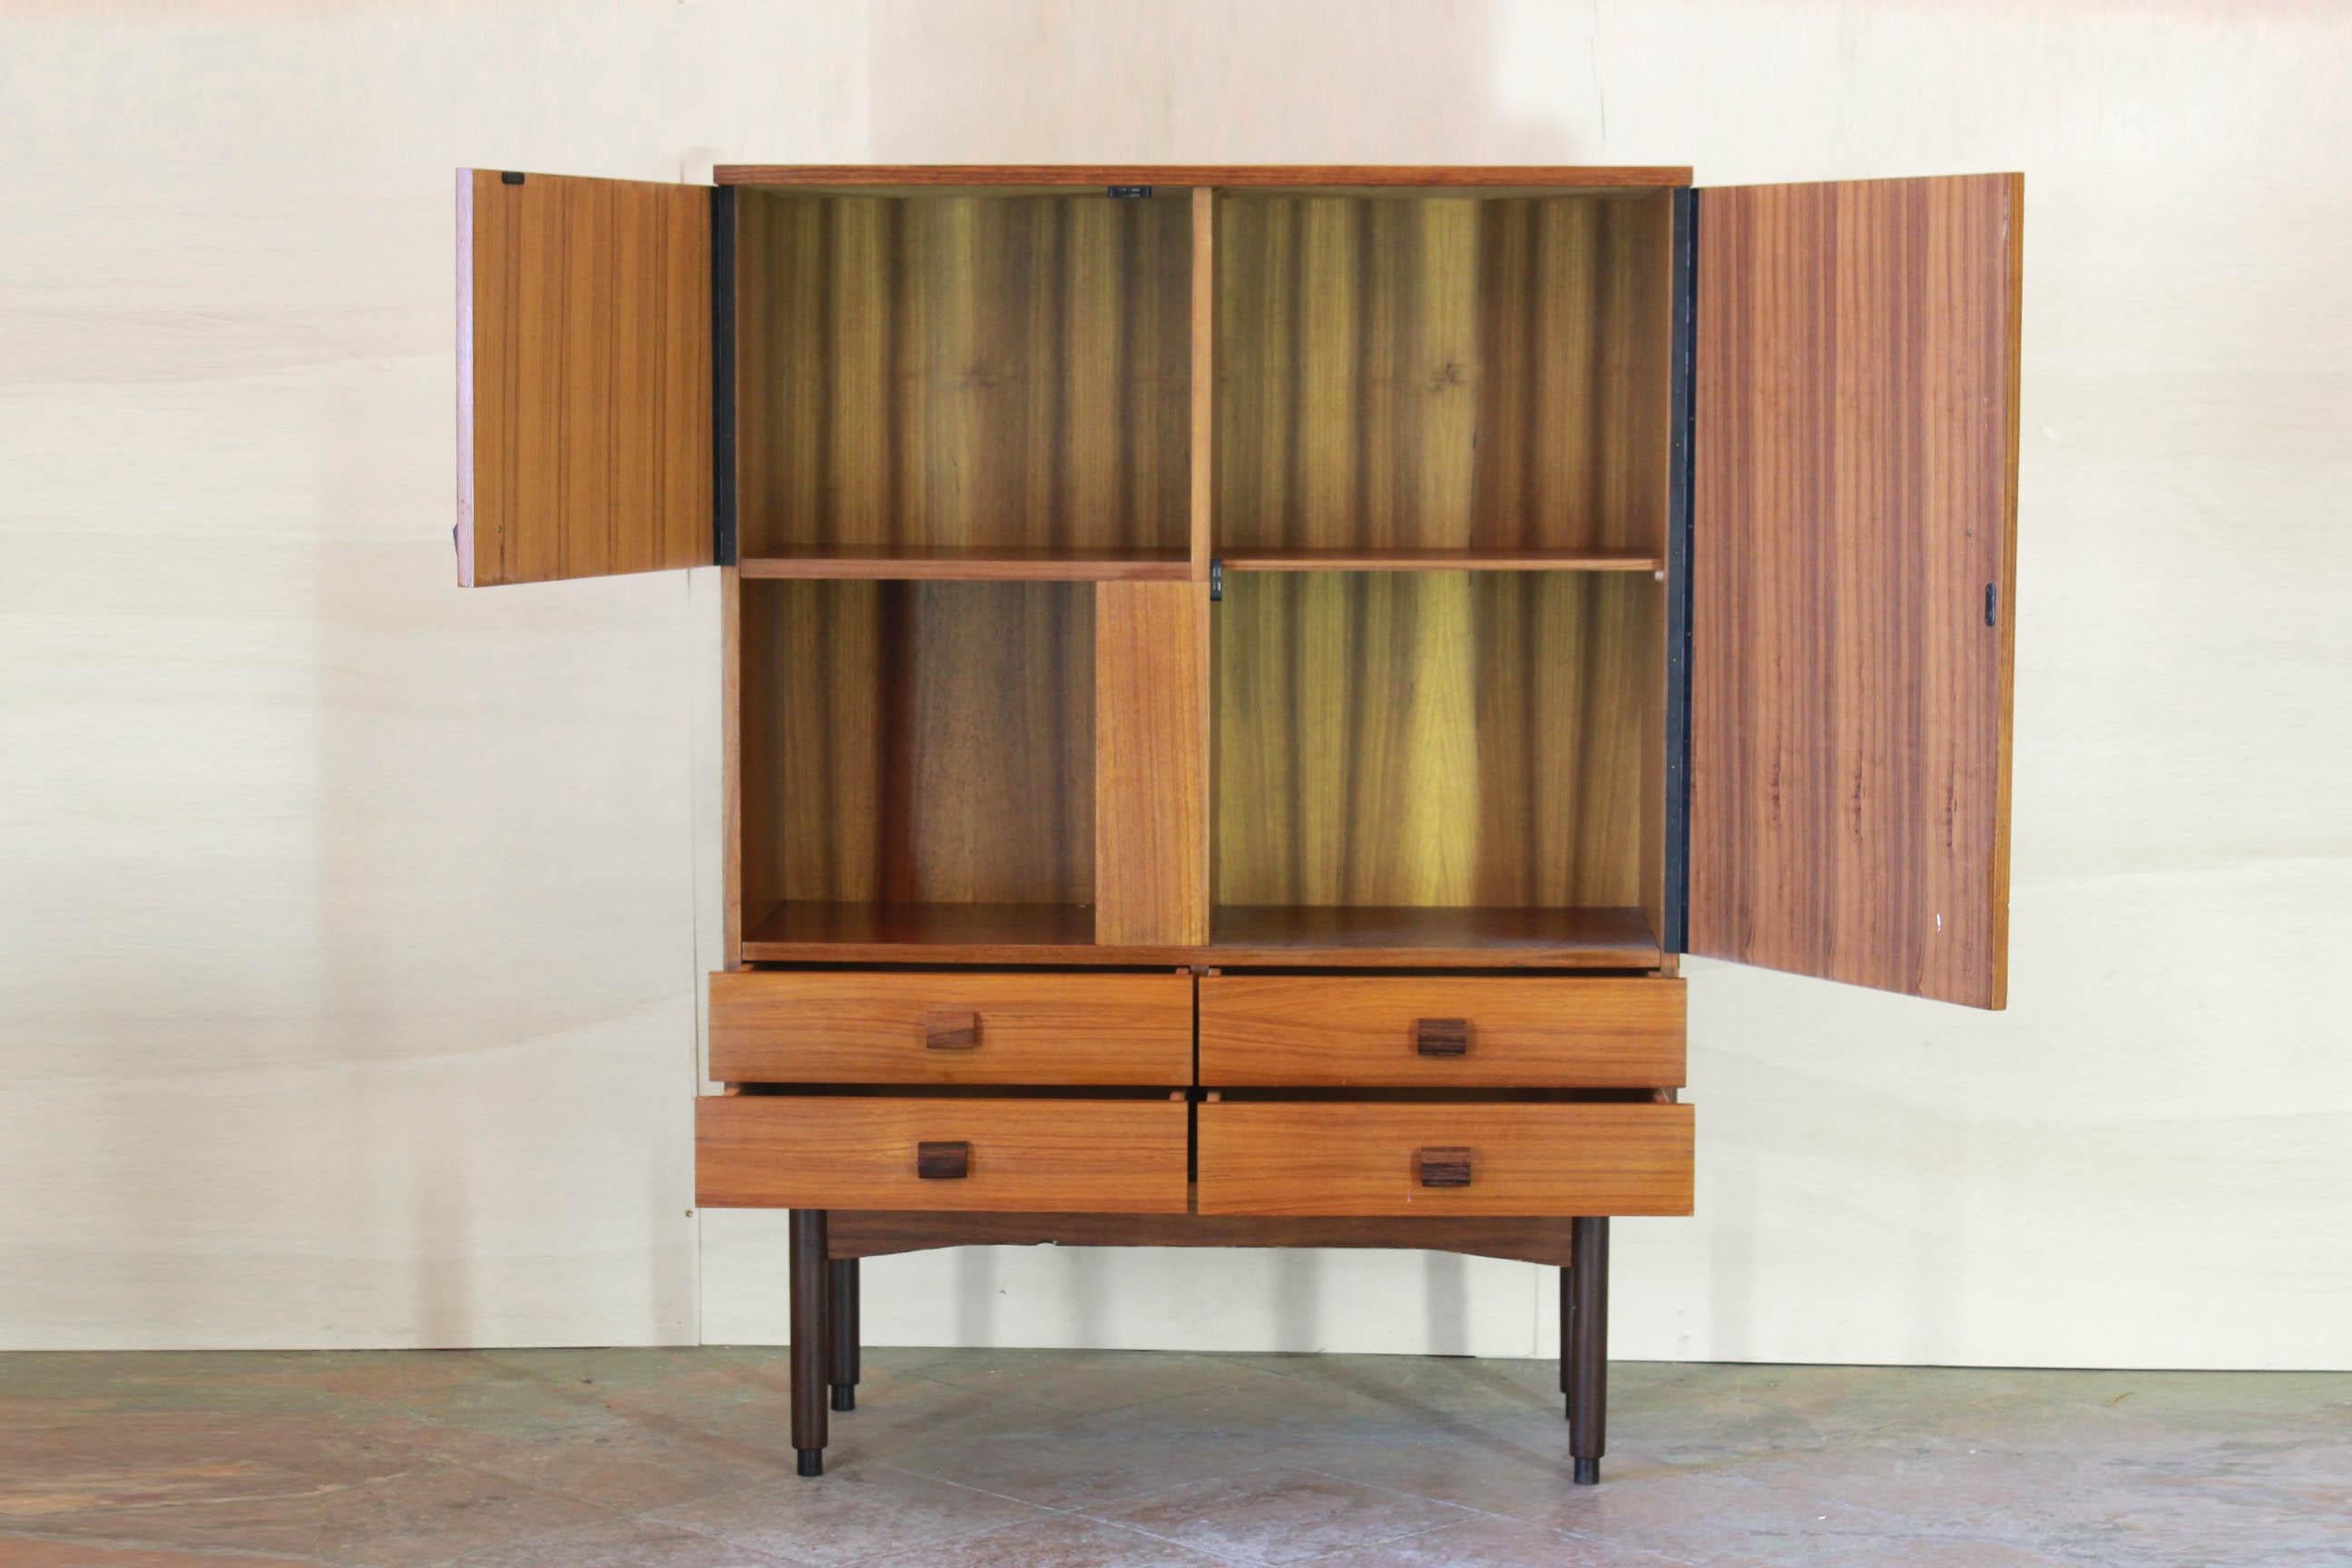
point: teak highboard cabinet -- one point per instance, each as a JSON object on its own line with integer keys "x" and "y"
{"x": 1242, "y": 682}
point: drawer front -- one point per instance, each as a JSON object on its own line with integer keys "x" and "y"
{"x": 848, "y": 1151}
{"x": 951, "y": 1028}
{"x": 1411, "y": 1033}
{"x": 1302, "y": 1157}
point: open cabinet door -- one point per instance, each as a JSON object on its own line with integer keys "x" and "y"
{"x": 584, "y": 388}
{"x": 1853, "y": 522}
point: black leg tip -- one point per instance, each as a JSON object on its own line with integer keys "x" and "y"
{"x": 1588, "y": 1472}
{"x": 813, "y": 1461}
{"x": 845, "y": 1396}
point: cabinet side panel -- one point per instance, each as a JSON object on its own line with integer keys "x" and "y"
{"x": 586, "y": 397}
{"x": 1854, "y": 511}
{"x": 1151, "y": 762}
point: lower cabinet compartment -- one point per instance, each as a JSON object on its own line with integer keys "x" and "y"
{"x": 1331, "y": 1158}
{"x": 851, "y": 1151}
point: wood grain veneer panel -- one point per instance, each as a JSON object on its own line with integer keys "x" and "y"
{"x": 841, "y": 1152}
{"x": 1064, "y": 934}
{"x": 1203, "y": 428}
{"x": 795, "y": 1027}
{"x": 1389, "y": 937}
{"x": 1353, "y": 1158}
{"x": 1442, "y": 373}
{"x": 584, "y": 377}
{"x": 910, "y": 743}
{"x": 1317, "y": 1030}
{"x": 1433, "y": 738}
{"x": 1151, "y": 762}
{"x": 948, "y": 371}
{"x": 966, "y": 563}
{"x": 982, "y": 176}
{"x": 1854, "y": 489}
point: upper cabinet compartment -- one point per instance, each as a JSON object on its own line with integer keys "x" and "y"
{"x": 1443, "y": 378}
{"x": 584, "y": 377}
{"x": 949, "y": 382}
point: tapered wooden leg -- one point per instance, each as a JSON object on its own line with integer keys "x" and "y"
{"x": 808, "y": 1274}
{"x": 1588, "y": 1348}
{"x": 841, "y": 1330}
{"x": 1567, "y": 1331}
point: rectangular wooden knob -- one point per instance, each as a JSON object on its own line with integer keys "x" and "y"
{"x": 1442, "y": 1036}
{"x": 950, "y": 1029}
{"x": 944, "y": 1162}
{"x": 1442, "y": 1167}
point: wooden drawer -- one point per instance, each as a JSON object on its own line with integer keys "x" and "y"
{"x": 1305, "y": 1157}
{"x": 951, "y": 1028}
{"x": 852, "y": 1152}
{"x": 1482, "y": 1032}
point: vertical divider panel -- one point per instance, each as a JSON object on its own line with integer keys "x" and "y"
{"x": 1151, "y": 763}
{"x": 730, "y": 762}
{"x": 1204, "y": 296}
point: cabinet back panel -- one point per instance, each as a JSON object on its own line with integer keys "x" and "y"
{"x": 1010, "y": 372}
{"x": 909, "y": 742}
{"x": 1442, "y": 373}
{"x": 1434, "y": 738}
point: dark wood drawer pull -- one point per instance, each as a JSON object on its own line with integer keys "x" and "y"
{"x": 1442, "y": 1036}
{"x": 951, "y": 1029}
{"x": 944, "y": 1162}
{"x": 1442, "y": 1167}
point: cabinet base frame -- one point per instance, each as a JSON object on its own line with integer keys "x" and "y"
{"x": 827, "y": 1245}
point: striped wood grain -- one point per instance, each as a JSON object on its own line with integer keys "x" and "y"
{"x": 1855, "y": 496}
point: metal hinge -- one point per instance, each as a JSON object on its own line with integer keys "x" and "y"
{"x": 1217, "y": 581}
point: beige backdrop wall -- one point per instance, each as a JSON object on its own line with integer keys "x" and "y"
{"x": 351, "y": 926}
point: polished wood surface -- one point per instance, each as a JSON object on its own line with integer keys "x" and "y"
{"x": 1460, "y": 739}
{"x": 982, "y": 176}
{"x": 1442, "y": 561}
{"x": 1393, "y": 936}
{"x": 870, "y": 1233}
{"x": 917, "y": 742}
{"x": 799, "y": 1027}
{"x": 954, "y": 372}
{"x": 852, "y": 932}
{"x": 843, "y": 1151}
{"x": 807, "y": 1269}
{"x": 1151, "y": 763}
{"x": 1438, "y": 1031}
{"x": 846, "y": 932}
{"x": 1330, "y": 1157}
{"x": 965, "y": 564}
{"x": 1854, "y": 477}
{"x": 1442, "y": 374}
{"x": 584, "y": 377}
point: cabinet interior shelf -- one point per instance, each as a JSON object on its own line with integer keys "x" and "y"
{"x": 969, "y": 564}
{"x": 1361, "y": 559}
{"x": 812, "y": 932}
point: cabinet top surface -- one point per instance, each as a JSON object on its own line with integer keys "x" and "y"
{"x": 1523, "y": 176}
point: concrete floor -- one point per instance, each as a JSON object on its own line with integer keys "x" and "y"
{"x": 1053, "y": 1459}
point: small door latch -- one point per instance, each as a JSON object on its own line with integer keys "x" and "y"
{"x": 1992, "y": 604}
{"x": 1129, "y": 193}
{"x": 1217, "y": 581}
